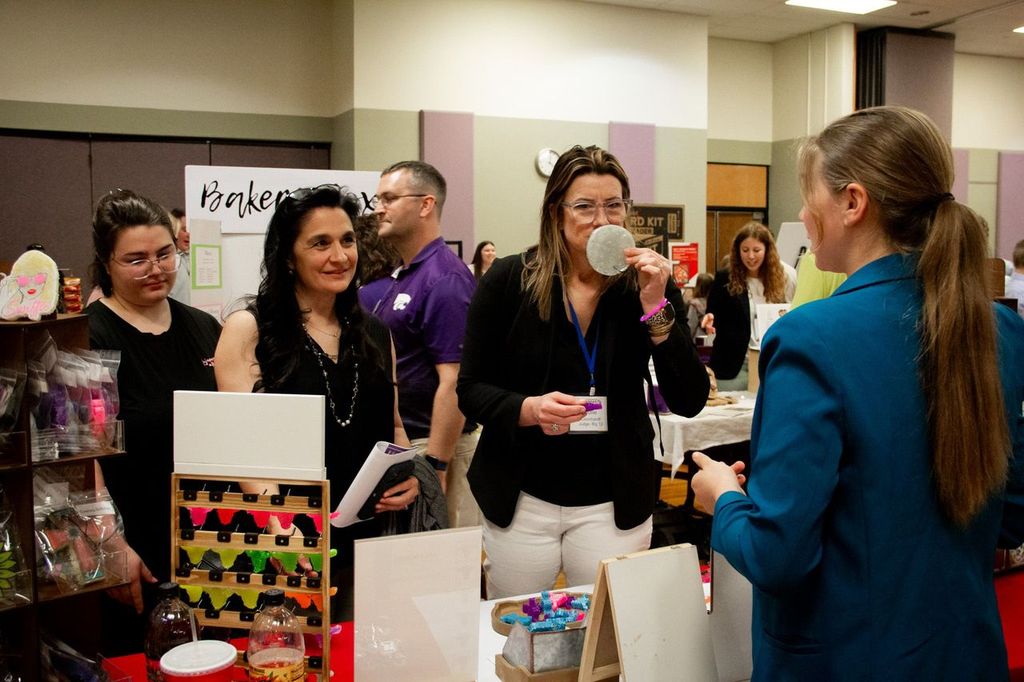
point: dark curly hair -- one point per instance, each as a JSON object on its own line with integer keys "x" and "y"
{"x": 278, "y": 316}
{"x": 120, "y": 209}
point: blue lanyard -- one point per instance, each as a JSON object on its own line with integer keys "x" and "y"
{"x": 590, "y": 356}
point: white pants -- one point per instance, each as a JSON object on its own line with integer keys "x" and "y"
{"x": 463, "y": 510}
{"x": 544, "y": 538}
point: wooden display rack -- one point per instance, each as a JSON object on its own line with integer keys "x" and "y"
{"x": 188, "y": 575}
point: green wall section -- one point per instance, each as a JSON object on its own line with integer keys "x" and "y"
{"x": 383, "y": 137}
{"x": 681, "y": 177}
{"x": 343, "y": 141}
{"x": 982, "y": 188}
{"x": 740, "y": 151}
{"x": 508, "y": 188}
{"x": 75, "y": 118}
{"x": 784, "y": 202}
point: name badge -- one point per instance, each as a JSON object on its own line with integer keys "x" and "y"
{"x": 596, "y": 419}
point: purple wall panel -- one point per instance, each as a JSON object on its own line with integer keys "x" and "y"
{"x": 919, "y": 74}
{"x": 1010, "y": 203}
{"x": 633, "y": 145}
{"x": 961, "y": 173}
{"x": 446, "y": 142}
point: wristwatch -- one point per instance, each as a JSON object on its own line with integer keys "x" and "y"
{"x": 439, "y": 465}
{"x": 661, "y": 322}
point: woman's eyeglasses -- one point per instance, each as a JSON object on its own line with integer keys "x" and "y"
{"x": 141, "y": 268}
{"x": 586, "y": 211}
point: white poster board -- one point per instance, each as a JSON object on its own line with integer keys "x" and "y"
{"x": 791, "y": 238}
{"x": 242, "y": 435}
{"x": 417, "y": 602}
{"x": 237, "y": 202}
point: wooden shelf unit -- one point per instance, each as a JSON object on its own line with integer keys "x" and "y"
{"x": 189, "y": 575}
{"x": 72, "y": 616}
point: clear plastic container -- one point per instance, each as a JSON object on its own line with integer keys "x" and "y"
{"x": 277, "y": 649}
{"x": 170, "y": 624}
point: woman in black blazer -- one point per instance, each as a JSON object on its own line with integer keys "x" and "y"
{"x": 549, "y": 341}
{"x": 754, "y": 275}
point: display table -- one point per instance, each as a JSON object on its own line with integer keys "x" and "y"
{"x": 342, "y": 656}
{"x": 719, "y": 425}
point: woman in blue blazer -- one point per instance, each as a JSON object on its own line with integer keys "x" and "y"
{"x": 881, "y": 470}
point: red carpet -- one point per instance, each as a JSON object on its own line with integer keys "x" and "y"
{"x": 1010, "y": 593}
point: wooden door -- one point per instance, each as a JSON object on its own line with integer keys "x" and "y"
{"x": 722, "y": 227}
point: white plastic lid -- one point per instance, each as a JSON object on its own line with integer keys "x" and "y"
{"x": 198, "y": 658}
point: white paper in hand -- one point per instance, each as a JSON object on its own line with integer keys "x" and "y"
{"x": 382, "y": 456}
{"x": 606, "y": 247}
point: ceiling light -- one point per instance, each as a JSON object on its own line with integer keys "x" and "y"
{"x": 1019, "y": 29}
{"x": 847, "y": 6}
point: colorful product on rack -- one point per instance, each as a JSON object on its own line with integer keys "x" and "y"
{"x": 226, "y": 557}
{"x": 261, "y": 519}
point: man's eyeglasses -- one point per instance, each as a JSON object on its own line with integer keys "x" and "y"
{"x": 141, "y": 268}
{"x": 385, "y": 200}
{"x": 586, "y": 211}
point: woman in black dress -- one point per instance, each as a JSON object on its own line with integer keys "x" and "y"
{"x": 304, "y": 333}
{"x": 165, "y": 346}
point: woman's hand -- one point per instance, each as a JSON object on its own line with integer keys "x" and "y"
{"x": 707, "y": 323}
{"x": 399, "y": 497}
{"x": 137, "y": 571}
{"x": 653, "y": 271}
{"x": 553, "y": 412}
{"x": 714, "y": 479}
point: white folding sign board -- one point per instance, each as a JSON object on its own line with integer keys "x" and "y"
{"x": 731, "y": 613}
{"x": 417, "y": 606}
{"x": 791, "y": 238}
{"x": 239, "y": 201}
{"x": 660, "y": 618}
{"x": 258, "y": 435}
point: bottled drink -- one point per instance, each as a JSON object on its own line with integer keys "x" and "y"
{"x": 276, "y": 647}
{"x": 170, "y": 624}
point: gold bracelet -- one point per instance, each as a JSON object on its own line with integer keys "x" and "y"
{"x": 661, "y": 329}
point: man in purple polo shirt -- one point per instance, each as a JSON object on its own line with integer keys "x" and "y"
{"x": 424, "y": 303}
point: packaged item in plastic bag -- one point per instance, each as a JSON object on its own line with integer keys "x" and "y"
{"x": 14, "y": 581}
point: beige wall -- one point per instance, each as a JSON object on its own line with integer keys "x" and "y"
{"x": 532, "y": 59}
{"x": 988, "y": 102}
{"x": 739, "y": 90}
{"x": 251, "y": 56}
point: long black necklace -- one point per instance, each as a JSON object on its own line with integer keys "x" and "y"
{"x": 317, "y": 353}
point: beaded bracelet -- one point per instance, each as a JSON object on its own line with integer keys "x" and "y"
{"x": 657, "y": 309}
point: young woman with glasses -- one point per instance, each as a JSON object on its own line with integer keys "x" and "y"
{"x": 165, "y": 346}
{"x": 549, "y": 340}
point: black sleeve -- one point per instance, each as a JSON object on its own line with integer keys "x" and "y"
{"x": 718, "y": 297}
{"x": 491, "y": 312}
{"x": 682, "y": 379}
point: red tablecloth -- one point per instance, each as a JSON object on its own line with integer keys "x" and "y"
{"x": 1010, "y": 593}
{"x": 341, "y": 659}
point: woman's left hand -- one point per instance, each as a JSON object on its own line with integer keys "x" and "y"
{"x": 399, "y": 497}
{"x": 714, "y": 479}
{"x": 653, "y": 271}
